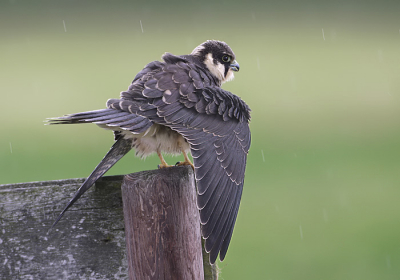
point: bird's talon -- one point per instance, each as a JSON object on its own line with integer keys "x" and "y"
{"x": 160, "y": 166}
{"x": 182, "y": 163}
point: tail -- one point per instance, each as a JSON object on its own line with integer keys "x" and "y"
{"x": 87, "y": 117}
{"x": 107, "y": 118}
{"x": 120, "y": 148}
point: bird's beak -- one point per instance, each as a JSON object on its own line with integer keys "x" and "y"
{"x": 234, "y": 66}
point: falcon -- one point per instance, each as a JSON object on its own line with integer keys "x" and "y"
{"x": 177, "y": 106}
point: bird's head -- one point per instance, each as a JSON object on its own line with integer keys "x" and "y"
{"x": 219, "y": 58}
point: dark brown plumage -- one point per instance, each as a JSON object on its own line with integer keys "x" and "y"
{"x": 178, "y": 106}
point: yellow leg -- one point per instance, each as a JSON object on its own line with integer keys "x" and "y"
{"x": 186, "y": 162}
{"x": 163, "y": 164}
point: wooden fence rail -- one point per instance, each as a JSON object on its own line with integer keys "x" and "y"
{"x": 88, "y": 243}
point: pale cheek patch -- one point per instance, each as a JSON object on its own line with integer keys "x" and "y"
{"x": 221, "y": 69}
{"x": 217, "y": 70}
{"x": 229, "y": 76}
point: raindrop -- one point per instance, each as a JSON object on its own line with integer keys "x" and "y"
{"x": 301, "y": 232}
{"x": 388, "y": 262}
{"x": 323, "y": 34}
{"x": 258, "y": 63}
{"x": 262, "y": 154}
{"x": 141, "y": 26}
{"x": 293, "y": 83}
{"x": 380, "y": 55}
{"x": 10, "y": 147}
{"x": 65, "y": 26}
{"x": 325, "y": 215}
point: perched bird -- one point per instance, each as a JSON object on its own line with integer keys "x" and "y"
{"x": 177, "y": 106}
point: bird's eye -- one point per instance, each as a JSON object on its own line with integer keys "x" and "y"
{"x": 226, "y": 58}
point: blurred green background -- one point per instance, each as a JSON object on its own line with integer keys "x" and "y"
{"x": 321, "y": 198}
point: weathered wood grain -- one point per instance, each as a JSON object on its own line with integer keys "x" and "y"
{"x": 88, "y": 243}
{"x": 162, "y": 225}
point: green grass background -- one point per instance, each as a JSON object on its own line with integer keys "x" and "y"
{"x": 321, "y": 198}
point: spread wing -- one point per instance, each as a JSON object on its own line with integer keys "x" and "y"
{"x": 215, "y": 123}
{"x": 220, "y": 161}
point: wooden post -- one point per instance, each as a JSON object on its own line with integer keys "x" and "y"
{"x": 162, "y": 225}
{"x": 89, "y": 242}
